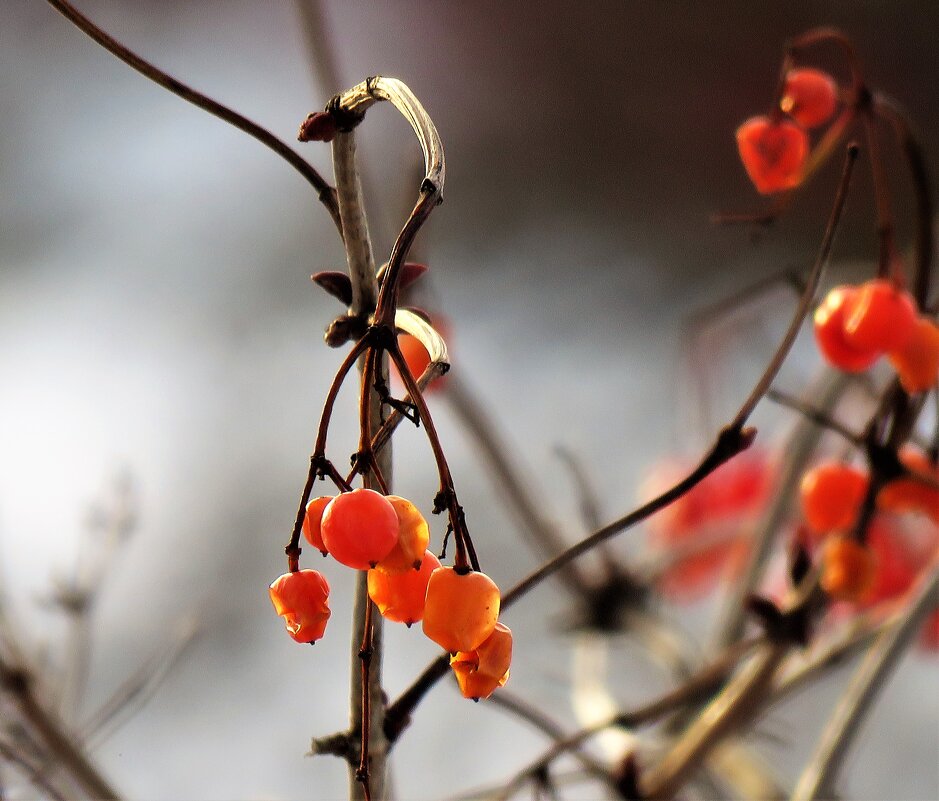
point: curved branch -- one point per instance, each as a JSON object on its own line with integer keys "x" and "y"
{"x": 326, "y": 193}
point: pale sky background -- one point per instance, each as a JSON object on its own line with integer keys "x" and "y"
{"x": 156, "y": 314}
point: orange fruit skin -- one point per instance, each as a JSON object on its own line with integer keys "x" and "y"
{"x": 312, "y": 520}
{"x": 359, "y": 528}
{"x": 460, "y": 610}
{"x": 728, "y": 500}
{"x": 909, "y": 495}
{"x": 302, "y": 600}
{"x": 881, "y": 318}
{"x": 830, "y": 335}
{"x": 849, "y": 570}
{"x": 809, "y": 96}
{"x": 831, "y": 495}
{"x": 773, "y": 153}
{"x": 481, "y": 672}
{"x": 917, "y": 363}
{"x": 400, "y": 596}
{"x": 413, "y": 538}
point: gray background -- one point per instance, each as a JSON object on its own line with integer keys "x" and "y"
{"x": 156, "y": 312}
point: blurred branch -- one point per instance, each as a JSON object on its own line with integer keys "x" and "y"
{"x": 60, "y": 744}
{"x": 821, "y": 774}
{"x": 325, "y": 192}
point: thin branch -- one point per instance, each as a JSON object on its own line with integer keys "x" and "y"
{"x": 817, "y": 416}
{"x": 737, "y": 706}
{"x": 33, "y": 773}
{"x": 53, "y": 736}
{"x": 508, "y": 478}
{"x": 325, "y": 192}
{"x": 912, "y": 148}
{"x": 820, "y": 776}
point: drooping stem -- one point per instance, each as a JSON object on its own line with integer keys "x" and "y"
{"x": 924, "y": 244}
{"x": 465, "y": 552}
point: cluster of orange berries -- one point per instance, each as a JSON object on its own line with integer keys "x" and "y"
{"x": 831, "y": 496}
{"x": 856, "y": 325}
{"x": 774, "y": 148}
{"x": 388, "y": 536}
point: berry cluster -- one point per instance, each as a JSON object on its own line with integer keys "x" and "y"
{"x": 884, "y": 562}
{"x": 774, "y": 148}
{"x": 856, "y": 325}
{"x": 388, "y": 536}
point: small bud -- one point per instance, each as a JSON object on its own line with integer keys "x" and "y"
{"x": 317, "y": 127}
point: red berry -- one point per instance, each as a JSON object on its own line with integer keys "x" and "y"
{"x": 400, "y": 596}
{"x": 479, "y": 673}
{"x": 312, "y": 521}
{"x": 831, "y": 495}
{"x": 917, "y": 363}
{"x": 881, "y": 317}
{"x": 302, "y": 600}
{"x": 359, "y": 528}
{"x": 461, "y": 609}
{"x": 413, "y": 537}
{"x": 848, "y": 569}
{"x": 773, "y": 153}
{"x": 830, "y": 333}
{"x": 810, "y": 97}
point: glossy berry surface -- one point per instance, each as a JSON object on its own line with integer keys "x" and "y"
{"x": 830, "y": 335}
{"x": 359, "y": 528}
{"x": 312, "y": 520}
{"x": 831, "y": 496}
{"x": 773, "y": 153}
{"x": 881, "y": 317}
{"x": 302, "y": 600}
{"x": 849, "y": 569}
{"x": 460, "y": 610}
{"x": 479, "y": 673}
{"x": 809, "y": 96}
{"x": 907, "y": 494}
{"x": 917, "y": 362}
{"x": 400, "y": 596}
{"x": 413, "y": 538}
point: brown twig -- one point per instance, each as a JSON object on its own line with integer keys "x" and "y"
{"x": 325, "y": 192}
{"x": 820, "y": 775}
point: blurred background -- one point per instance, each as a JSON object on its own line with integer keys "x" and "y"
{"x": 157, "y": 319}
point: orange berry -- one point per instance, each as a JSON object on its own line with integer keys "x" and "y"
{"x": 831, "y": 495}
{"x": 417, "y": 357}
{"x": 917, "y": 363}
{"x": 908, "y": 494}
{"x": 312, "y": 520}
{"x": 479, "y": 673}
{"x": 848, "y": 569}
{"x": 881, "y": 317}
{"x": 302, "y": 600}
{"x": 773, "y": 153}
{"x": 415, "y": 354}
{"x": 830, "y": 332}
{"x": 461, "y": 609}
{"x": 809, "y": 96}
{"x": 400, "y": 596}
{"x": 359, "y": 528}
{"x": 413, "y": 538}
